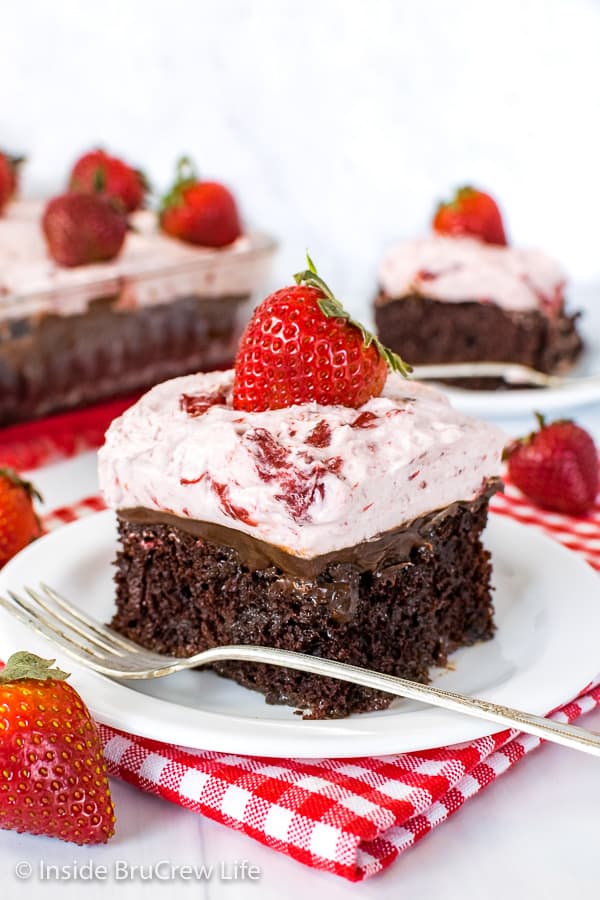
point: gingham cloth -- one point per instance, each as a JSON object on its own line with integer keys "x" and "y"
{"x": 351, "y": 817}
{"x": 34, "y": 444}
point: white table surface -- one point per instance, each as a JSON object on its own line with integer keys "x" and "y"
{"x": 533, "y": 833}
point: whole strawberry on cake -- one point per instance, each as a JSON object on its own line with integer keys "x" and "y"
{"x": 313, "y": 499}
{"x": 465, "y": 294}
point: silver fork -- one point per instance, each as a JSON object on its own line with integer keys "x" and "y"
{"x": 512, "y": 373}
{"x": 101, "y": 648}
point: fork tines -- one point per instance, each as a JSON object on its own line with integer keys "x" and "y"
{"x": 80, "y": 635}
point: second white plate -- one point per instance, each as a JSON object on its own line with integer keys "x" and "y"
{"x": 508, "y": 403}
{"x": 545, "y": 651}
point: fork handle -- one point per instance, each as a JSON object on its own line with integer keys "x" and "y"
{"x": 559, "y": 733}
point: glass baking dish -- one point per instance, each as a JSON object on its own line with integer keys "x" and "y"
{"x": 71, "y": 337}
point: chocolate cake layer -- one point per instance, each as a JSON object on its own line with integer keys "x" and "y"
{"x": 426, "y": 331}
{"x": 399, "y": 604}
{"x": 53, "y": 363}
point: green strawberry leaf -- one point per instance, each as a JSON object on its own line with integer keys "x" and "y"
{"x": 186, "y": 176}
{"x": 99, "y": 179}
{"x": 23, "y": 665}
{"x": 311, "y": 264}
{"x": 15, "y": 478}
{"x": 331, "y": 307}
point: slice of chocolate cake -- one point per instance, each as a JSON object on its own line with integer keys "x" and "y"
{"x": 458, "y": 299}
{"x": 353, "y": 534}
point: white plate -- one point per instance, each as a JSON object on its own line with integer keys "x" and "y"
{"x": 545, "y": 650}
{"x": 547, "y": 400}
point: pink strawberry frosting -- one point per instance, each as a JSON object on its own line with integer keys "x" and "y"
{"x": 310, "y": 479}
{"x": 152, "y": 268}
{"x": 454, "y": 269}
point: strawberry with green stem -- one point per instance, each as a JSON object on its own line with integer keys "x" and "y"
{"x": 19, "y": 524}
{"x": 470, "y": 213}
{"x": 199, "y": 212}
{"x": 53, "y": 778}
{"x": 556, "y": 466}
{"x": 84, "y": 228}
{"x": 302, "y": 346}
{"x": 98, "y": 171}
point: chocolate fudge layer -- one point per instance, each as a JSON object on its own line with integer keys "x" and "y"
{"x": 429, "y": 331}
{"x": 50, "y": 363}
{"x": 399, "y": 604}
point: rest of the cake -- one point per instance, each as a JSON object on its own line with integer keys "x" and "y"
{"x": 73, "y": 336}
{"x": 353, "y": 534}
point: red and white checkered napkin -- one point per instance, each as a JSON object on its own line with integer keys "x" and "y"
{"x": 578, "y": 533}
{"x": 34, "y": 444}
{"x": 352, "y": 817}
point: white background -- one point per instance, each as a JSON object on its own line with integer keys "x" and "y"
{"x": 338, "y": 124}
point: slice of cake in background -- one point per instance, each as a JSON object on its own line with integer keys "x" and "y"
{"x": 72, "y": 333}
{"x": 250, "y": 513}
{"x": 464, "y": 295}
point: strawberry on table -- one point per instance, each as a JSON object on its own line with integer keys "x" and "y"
{"x": 19, "y": 524}
{"x": 97, "y": 170}
{"x": 9, "y": 173}
{"x": 53, "y": 777}
{"x": 199, "y": 212}
{"x": 83, "y": 228}
{"x": 556, "y": 466}
{"x": 470, "y": 213}
{"x": 301, "y": 346}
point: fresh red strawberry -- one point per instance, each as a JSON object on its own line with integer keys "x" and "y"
{"x": 199, "y": 212}
{"x": 301, "y": 346}
{"x": 83, "y": 228}
{"x": 556, "y": 467}
{"x": 19, "y": 524}
{"x": 97, "y": 171}
{"x": 470, "y": 213}
{"x": 9, "y": 172}
{"x": 53, "y": 776}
